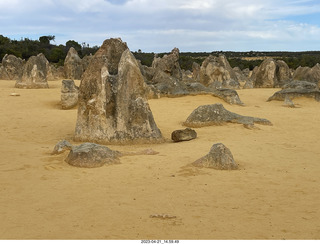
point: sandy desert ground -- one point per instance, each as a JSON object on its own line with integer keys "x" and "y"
{"x": 274, "y": 194}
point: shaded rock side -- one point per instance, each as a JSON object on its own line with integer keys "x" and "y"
{"x": 69, "y": 94}
{"x": 296, "y": 89}
{"x": 219, "y": 157}
{"x": 73, "y": 66}
{"x": 216, "y": 114}
{"x": 13, "y": 66}
{"x": 112, "y": 99}
{"x": 91, "y": 155}
{"x": 183, "y": 135}
{"x": 34, "y": 73}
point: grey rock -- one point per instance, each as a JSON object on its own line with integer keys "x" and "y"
{"x": 91, "y": 155}
{"x": 183, "y": 135}
{"x": 297, "y": 89}
{"x": 34, "y": 73}
{"x": 216, "y": 114}
{"x": 61, "y": 146}
{"x": 308, "y": 74}
{"x": 69, "y": 94}
{"x": 73, "y": 65}
{"x": 228, "y": 95}
{"x": 13, "y": 66}
{"x": 219, "y": 157}
{"x": 113, "y": 107}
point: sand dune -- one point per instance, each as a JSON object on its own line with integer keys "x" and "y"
{"x": 273, "y": 195}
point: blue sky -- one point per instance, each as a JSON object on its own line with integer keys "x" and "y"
{"x": 161, "y": 25}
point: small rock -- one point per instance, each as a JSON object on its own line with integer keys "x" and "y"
{"x": 61, "y": 146}
{"x": 91, "y": 155}
{"x": 219, "y": 157}
{"x": 183, "y": 135}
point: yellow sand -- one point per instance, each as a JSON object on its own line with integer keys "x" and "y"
{"x": 274, "y": 195}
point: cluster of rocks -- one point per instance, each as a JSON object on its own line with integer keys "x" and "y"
{"x": 36, "y": 72}
{"x": 165, "y": 78}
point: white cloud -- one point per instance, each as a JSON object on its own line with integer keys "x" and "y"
{"x": 201, "y": 25}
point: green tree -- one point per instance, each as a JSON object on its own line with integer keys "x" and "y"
{"x": 46, "y": 39}
{"x": 74, "y": 44}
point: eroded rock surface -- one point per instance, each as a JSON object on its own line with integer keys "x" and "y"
{"x": 297, "y": 89}
{"x": 183, "y": 135}
{"x": 216, "y": 114}
{"x": 69, "y": 94}
{"x": 113, "y": 106}
{"x": 35, "y": 73}
{"x": 91, "y": 155}
{"x": 73, "y": 66}
{"x": 219, "y": 157}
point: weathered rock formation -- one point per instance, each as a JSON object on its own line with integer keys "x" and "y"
{"x": 217, "y": 73}
{"x": 219, "y": 157}
{"x": 91, "y": 155}
{"x": 308, "y": 74}
{"x": 216, "y": 114}
{"x": 113, "y": 107}
{"x": 297, "y": 89}
{"x": 13, "y": 66}
{"x": 271, "y": 73}
{"x": 169, "y": 64}
{"x": 73, "y": 65}
{"x": 69, "y": 94}
{"x": 183, "y": 135}
{"x": 34, "y": 73}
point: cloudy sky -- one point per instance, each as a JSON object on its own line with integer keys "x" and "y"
{"x": 160, "y": 25}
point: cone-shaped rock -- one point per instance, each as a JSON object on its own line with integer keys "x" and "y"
{"x": 112, "y": 99}
{"x": 73, "y": 65}
{"x": 219, "y": 157}
{"x": 34, "y": 73}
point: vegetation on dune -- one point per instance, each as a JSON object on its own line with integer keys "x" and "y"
{"x": 26, "y": 48}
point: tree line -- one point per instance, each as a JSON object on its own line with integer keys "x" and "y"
{"x": 26, "y": 48}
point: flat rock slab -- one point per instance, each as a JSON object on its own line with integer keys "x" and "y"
{"x": 183, "y": 135}
{"x": 216, "y": 114}
{"x": 219, "y": 157}
{"x": 296, "y": 89}
{"x": 294, "y": 93}
{"x": 91, "y": 155}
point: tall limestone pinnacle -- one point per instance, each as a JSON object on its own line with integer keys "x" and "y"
{"x": 113, "y": 107}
